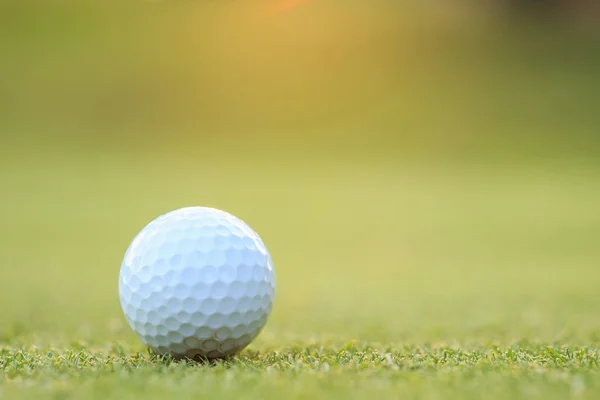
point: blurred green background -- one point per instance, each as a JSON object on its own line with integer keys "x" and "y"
{"x": 419, "y": 174}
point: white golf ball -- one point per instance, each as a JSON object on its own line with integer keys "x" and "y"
{"x": 197, "y": 283}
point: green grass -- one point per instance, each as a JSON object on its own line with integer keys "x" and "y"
{"x": 419, "y": 279}
{"x": 306, "y": 372}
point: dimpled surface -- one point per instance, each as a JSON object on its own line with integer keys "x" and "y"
{"x": 197, "y": 283}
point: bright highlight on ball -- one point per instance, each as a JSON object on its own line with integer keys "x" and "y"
{"x": 197, "y": 283}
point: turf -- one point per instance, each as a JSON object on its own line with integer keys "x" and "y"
{"x": 306, "y": 372}
{"x": 415, "y": 279}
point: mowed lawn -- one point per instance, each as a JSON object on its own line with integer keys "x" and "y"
{"x": 395, "y": 279}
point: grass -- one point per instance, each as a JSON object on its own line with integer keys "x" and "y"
{"x": 521, "y": 370}
{"x": 420, "y": 279}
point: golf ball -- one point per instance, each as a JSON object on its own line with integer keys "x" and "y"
{"x": 197, "y": 283}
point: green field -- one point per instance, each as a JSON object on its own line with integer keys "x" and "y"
{"x": 432, "y": 209}
{"x": 418, "y": 279}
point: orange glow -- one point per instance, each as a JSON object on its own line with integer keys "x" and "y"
{"x": 289, "y": 4}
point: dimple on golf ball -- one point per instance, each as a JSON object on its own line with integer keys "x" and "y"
{"x": 197, "y": 283}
